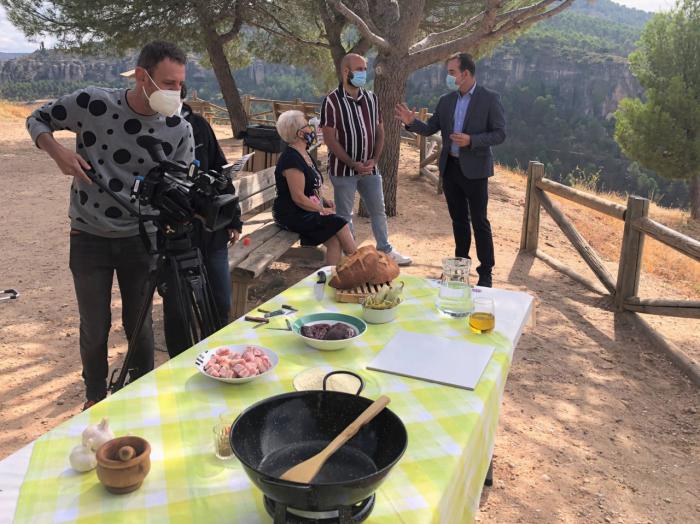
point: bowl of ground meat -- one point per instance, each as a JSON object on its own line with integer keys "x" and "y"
{"x": 329, "y": 331}
{"x": 236, "y": 364}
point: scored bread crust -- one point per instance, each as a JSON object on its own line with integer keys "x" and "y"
{"x": 386, "y": 271}
{"x": 365, "y": 266}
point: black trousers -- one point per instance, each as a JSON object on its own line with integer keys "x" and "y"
{"x": 93, "y": 262}
{"x": 467, "y": 202}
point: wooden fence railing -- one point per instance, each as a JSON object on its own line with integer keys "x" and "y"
{"x": 214, "y": 114}
{"x": 624, "y": 289}
{"x": 429, "y": 149}
{"x": 267, "y": 111}
{"x": 259, "y": 110}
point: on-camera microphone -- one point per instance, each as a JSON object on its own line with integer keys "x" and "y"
{"x": 154, "y": 148}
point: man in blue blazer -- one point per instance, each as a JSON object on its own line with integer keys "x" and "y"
{"x": 470, "y": 119}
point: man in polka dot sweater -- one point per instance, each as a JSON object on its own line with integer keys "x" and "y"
{"x": 104, "y": 238}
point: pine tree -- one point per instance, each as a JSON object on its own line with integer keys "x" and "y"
{"x": 662, "y": 132}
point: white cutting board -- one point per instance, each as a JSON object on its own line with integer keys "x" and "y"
{"x": 453, "y": 362}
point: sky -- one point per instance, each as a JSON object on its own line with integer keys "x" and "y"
{"x": 13, "y": 41}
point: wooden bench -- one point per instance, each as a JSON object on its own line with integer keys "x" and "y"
{"x": 269, "y": 242}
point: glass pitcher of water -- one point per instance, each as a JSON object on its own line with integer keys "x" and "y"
{"x": 455, "y": 294}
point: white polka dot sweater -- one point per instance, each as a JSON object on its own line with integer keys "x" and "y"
{"x": 106, "y": 130}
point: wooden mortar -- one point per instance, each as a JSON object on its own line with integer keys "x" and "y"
{"x": 123, "y": 463}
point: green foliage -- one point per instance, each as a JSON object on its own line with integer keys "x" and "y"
{"x": 544, "y": 123}
{"x": 583, "y": 179}
{"x": 105, "y": 27}
{"x": 576, "y": 148}
{"x": 663, "y": 132}
{"x": 283, "y": 85}
{"x": 314, "y": 65}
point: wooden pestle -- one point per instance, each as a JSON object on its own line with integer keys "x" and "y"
{"x": 126, "y": 453}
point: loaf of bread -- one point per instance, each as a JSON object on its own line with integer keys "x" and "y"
{"x": 386, "y": 271}
{"x": 365, "y": 266}
{"x": 355, "y": 269}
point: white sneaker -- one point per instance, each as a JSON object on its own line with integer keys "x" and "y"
{"x": 399, "y": 258}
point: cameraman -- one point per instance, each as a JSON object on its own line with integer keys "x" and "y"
{"x": 212, "y": 244}
{"x": 104, "y": 237}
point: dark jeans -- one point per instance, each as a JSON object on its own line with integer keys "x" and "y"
{"x": 216, "y": 266}
{"x": 468, "y": 198}
{"x": 93, "y": 261}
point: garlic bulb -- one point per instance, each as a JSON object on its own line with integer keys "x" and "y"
{"x": 82, "y": 458}
{"x": 98, "y": 434}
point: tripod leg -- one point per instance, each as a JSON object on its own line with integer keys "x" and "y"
{"x": 188, "y": 289}
{"x": 182, "y": 298}
{"x": 207, "y": 298}
{"x": 202, "y": 297}
{"x": 205, "y": 308}
{"x": 196, "y": 296}
{"x": 120, "y": 382}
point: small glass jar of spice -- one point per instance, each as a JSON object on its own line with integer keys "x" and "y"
{"x": 222, "y": 445}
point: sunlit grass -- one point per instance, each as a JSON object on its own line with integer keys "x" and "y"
{"x": 13, "y": 110}
{"x": 604, "y": 233}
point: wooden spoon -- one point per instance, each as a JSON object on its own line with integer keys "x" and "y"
{"x": 305, "y": 472}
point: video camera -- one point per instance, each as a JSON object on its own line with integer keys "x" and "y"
{"x": 179, "y": 200}
{"x": 179, "y": 194}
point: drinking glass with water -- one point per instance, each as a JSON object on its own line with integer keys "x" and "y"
{"x": 455, "y": 294}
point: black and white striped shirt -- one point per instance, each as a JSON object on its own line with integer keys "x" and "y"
{"x": 355, "y": 121}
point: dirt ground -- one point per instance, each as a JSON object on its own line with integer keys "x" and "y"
{"x": 596, "y": 426}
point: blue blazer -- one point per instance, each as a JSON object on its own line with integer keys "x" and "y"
{"x": 485, "y": 123}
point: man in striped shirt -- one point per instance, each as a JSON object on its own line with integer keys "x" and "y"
{"x": 351, "y": 121}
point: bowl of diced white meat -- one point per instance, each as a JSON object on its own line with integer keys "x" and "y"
{"x": 236, "y": 364}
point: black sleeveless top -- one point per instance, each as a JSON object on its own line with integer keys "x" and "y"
{"x": 292, "y": 159}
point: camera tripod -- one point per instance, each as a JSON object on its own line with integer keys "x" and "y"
{"x": 183, "y": 264}
{"x": 180, "y": 267}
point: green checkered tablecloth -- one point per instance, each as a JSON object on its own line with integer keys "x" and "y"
{"x": 450, "y": 431}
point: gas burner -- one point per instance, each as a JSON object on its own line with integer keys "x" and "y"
{"x": 343, "y": 515}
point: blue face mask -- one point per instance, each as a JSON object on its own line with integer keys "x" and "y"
{"x": 358, "y": 78}
{"x": 451, "y": 82}
{"x": 309, "y": 136}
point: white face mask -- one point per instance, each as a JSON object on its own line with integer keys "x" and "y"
{"x": 164, "y": 101}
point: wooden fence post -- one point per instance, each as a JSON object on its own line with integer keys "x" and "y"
{"x": 531, "y": 213}
{"x": 631, "y": 252}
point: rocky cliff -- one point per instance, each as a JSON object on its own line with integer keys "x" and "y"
{"x": 52, "y": 65}
{"x": 589, "y": 85}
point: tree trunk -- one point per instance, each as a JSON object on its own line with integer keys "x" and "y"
{"x": 695, "y": 197}
{"x": 390, "y": 86}
{"x": 334, "y": 23}
{"x": 229, "y": 90}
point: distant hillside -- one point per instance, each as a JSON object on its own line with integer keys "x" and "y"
{"x": 611, "y": 12}
{"x": 560, "y": 82}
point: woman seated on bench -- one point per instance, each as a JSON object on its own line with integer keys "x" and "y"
{"x": 299, "y": 206}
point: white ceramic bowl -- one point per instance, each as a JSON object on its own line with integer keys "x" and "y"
{"x": 379, "y": 316}
{"x": 329, "y": 318}
{"x": 204, "y": 357}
